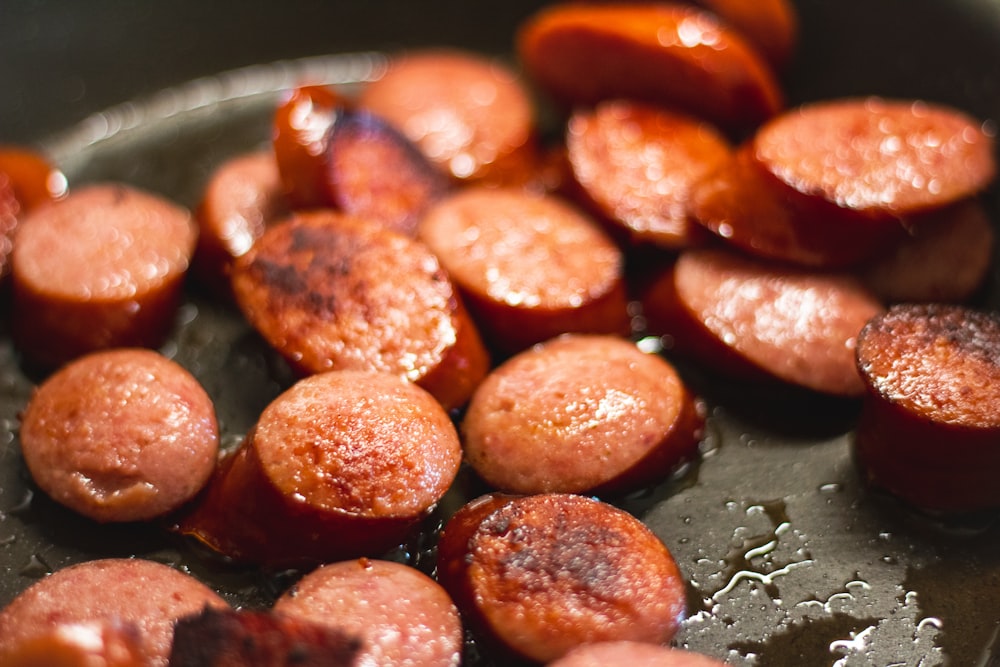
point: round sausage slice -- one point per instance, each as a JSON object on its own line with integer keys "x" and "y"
{"x": 634, "y": 654}
{"x": 759, "y": 322}
{"x": 469, "y": 114}
{"x": 300, "y": 132}
{"x": 120, "y": 435}
{"x": 884, "y": 158}
{"x": 243, "y": 196}
{"x": 635, "y": 164}
{"x": 341, "y": 465}
{"x": 330, "y": 291}
{"x": 580, "y": 414}
{"x": 35, "y": 180}
{"x": 749, "y": 209}
{"x": 539, "y": 575}
{"x": 131, "y": 593}
{"x": 401, "y": 615}
{"x": 102, "y": 267}
{"x": 530, "y": 266}
{"x": 930, "y": 423}
{"x": 945, "y": 257}
{"x": 669, "y": 55}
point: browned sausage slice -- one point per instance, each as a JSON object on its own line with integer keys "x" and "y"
{"x": 748, "y": 208}
{"x": 754, "y": 320}
{"x": 634, "y": 654}
{"x": 101, "y": 268}
{"x": 580, "y": 414}
{"x": 245, "y": 638}
{"x": 538, "y": 575}
{"x": 668, "y": 55}
{"x": 930, "y": 423}
{"x": 120, "y": 435}
{"x": 325, "y": 290}
{"x": 340, "y": 465}
{"x": 137, "y": 593}
{"x": 945, "y": 257}
{"x": 36, "y": 181}
{"x": 470, "y": 114}
{"x": 530, "y": 266}
{"x": 635, "y": 164}
{"x": 374, "y": 172}
{"x": 242, "y": 197}
{"x": 401, "y": 615}
{"x": 884, "y": 158}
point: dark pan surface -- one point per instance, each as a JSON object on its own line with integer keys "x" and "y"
{"x": 791, "y": 560}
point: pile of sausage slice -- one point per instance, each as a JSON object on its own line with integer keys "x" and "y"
{"x": 451, "y": 285}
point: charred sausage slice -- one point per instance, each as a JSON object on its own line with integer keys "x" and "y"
{"x": 120, "y": 435}
{"x": 635, "y": 164}
{"x": 580, "y": 414}
{"x": 401, "y": 615}
{"x": 245, "y": 638}
{"x": 930, "y": 422}
{"x": 665, "y": 54}
{"x": 471, "y": 115}
{"x": 327, "y": 291}
{"x": 763, "y": 322}
{"x": 137, "y": 593}
{"x": 101, "y": 268}
{"x": 341, "y": 465}
{"x": 538, "y": 575}
{"x": 882, "y": 157}
{"x": 374, "y": 172}
{"x": 530, "y": 266}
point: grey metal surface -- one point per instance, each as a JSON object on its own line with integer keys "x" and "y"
{"x": 791, "y": 560}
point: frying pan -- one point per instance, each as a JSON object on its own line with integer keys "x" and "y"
{"x": 790, "y": 558}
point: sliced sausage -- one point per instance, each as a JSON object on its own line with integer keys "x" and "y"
{"x": 342, "y": 464}
{"x": 245, "y": 638}
{"x": 748, "y": 208}
{"x": 35, "y": 179}
{"x": 580, "y": 414}
{"x": 470, "y": 114}
{"x": 376, "y": 173}
{"x": 101, "y": 644}
{"x": 102, "y": 267}
{"x": 120, "y": 435}
{"x": 761, "y": 322}
{"x": 530, "y": 266}
{"x": 634, "y": 654}
{"x": 27, "y": 180}
{"x": 882, "y": 157}
{"x": 945, "y": 257}
{"x": 401, "y": 615}
{"x": 300, "y": 131}
{"x": 539, "y": 575}
{"x": 772, "y": 26}
{"x": 137, "y": 593}
{"x": 242, "y": 197}
{"x": 326, "y": 290}
{"x": 930, "y": 422}
{"x": 665, "y": 54}
{"x": 635, "y": 163}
